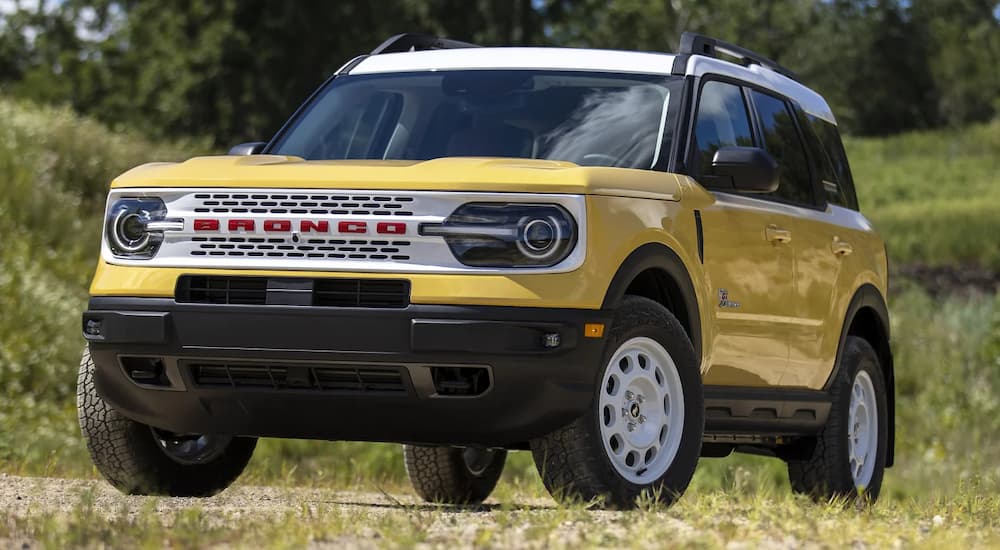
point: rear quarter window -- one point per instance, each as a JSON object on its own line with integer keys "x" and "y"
{"x": 835, "y": 172}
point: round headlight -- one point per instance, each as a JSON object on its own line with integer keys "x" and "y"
{"x": 126, "y": 227}
{"x": 129, "y": 233}
{"x": 539, "y": 237}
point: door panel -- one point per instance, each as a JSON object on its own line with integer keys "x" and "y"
{"x": 753, "y": 278}
{"x": 816, "y": 270}
{"x": 827, "y": 259}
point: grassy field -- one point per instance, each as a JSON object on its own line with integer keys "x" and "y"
{"x": 936, "y": 196}
{"x": 82, "y": 514}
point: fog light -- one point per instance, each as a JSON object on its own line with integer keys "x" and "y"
{"x": 552, "y": 340}
{"x": 92, "y": 327}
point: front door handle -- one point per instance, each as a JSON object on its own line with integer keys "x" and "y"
{"x": 775, "y": 234}
{"x": 841, "y": 248}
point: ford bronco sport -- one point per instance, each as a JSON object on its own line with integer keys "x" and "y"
{"x": 621, "y": 261}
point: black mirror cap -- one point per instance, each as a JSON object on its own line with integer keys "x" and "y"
{"x": 249, "y": 148}
{"x": 750, "y": 169}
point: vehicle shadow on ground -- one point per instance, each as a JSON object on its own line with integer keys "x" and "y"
{"x": 446, "y": 508}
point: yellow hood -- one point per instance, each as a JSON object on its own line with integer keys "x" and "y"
{"x": 456, "y": 174}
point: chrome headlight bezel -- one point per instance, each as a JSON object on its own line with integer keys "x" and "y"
{"x": 133, "y": 227}
{"x": 508, "y": 235}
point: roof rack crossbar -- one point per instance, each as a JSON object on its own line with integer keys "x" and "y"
{"x": 409, "y": 42}
{"x": 699, "y": 44}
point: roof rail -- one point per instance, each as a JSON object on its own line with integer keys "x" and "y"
{"x": 410, "y": 42}
{"x": 699, "y": 44}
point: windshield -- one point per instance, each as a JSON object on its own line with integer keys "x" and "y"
{"x": 592, "y": 119}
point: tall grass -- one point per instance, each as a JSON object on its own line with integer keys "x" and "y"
{"x": 54, "y": 169}
{"x": 934, "y": 196}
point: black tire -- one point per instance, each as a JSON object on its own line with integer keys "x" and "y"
{"x": 823, "y": 469}
{"x": 128, "y": 455}
{"x": 449, "y": 475}
{"x": 573, "y": 462}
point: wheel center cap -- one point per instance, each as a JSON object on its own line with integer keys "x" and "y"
{"x": 634, "y": 410}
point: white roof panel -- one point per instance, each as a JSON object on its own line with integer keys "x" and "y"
{"x": 571, "y": 59}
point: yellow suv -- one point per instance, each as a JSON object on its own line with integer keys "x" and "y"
{"x": 621, "y": 261}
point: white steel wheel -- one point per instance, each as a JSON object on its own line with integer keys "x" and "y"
{"x": 862, "y": 430}
{"x": 641, "y": 412}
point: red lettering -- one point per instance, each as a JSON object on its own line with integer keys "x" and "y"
{"x": 352, "y": 227}
{"x": 391, "y": 228}
{"x": 236, "y": 225}
{"x": 206, "y": 225}
{"x": 320, "y": 227}
{"x": 277, "y": 225}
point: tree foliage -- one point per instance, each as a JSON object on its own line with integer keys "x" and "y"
{"x": 234, "y": 69}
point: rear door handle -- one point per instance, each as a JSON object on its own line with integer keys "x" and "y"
{"x": 841, "y": 248}
{"x": 775, "y": 234}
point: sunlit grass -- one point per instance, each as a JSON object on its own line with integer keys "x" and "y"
{"x": 933, "y": 195}
{"x": 710, "y": 519}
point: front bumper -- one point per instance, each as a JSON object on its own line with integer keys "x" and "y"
{"x": 337, "y": 373}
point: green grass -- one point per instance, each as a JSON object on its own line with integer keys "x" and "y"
{"x": 934, "y": 196}
{"x": 710, "y": 519}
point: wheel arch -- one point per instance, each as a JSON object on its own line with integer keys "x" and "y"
{"x": 867, "y": 317}
{"x": 656, "y": 272}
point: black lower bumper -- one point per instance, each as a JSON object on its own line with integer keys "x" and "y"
{"x": 492, "y": 376}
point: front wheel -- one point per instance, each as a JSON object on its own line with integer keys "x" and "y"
{"x": 643, "y": 432}
{"x": 141, "y": 460}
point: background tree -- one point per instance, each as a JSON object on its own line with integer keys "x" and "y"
{"x": 233, "y": 70}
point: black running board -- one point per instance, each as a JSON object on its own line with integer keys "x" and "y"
{"x": 766, "y": 412}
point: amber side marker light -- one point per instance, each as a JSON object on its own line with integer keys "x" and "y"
{"x": 593, "y": 330}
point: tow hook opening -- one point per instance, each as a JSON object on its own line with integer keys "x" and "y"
{"x": 148, "y": 371}
{"x": 460, "y": 381}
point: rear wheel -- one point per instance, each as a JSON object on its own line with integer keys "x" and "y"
{"x": 141, "y": 460}
{"x": 848, "y": 458}
{"x": 642, "y": 435}
{"x": 450, "y": 475}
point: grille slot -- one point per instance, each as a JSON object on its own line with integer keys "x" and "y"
{"x": 361, "y": 293}
{"x": 329, "y": 378}
{"x": 311, "y": 203}
{"x": 336, "y": 292}
{"x": 305, "y": 249}
{"x": 222, "y": 290}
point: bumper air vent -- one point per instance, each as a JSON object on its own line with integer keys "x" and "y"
{"x": 361, "y": 293}
{"x": 336, "y": 292}
{"x": 340, "y": 378}
{"x": 222, "y": 290}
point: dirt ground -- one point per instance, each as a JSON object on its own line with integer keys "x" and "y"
{"x": 58, "y": 513}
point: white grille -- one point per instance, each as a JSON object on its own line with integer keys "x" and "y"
{"x": 297, "y": 247}
{"x": 233, "y": 245}
{"x": 312, "y": 203}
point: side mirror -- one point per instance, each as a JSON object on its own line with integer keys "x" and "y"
{"x": 250, "y": 148}
{"x": 750, "y": 169}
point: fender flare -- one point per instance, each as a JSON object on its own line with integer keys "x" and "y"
{"x": 659, "y": 256}
{"x": 867, "y": 296}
